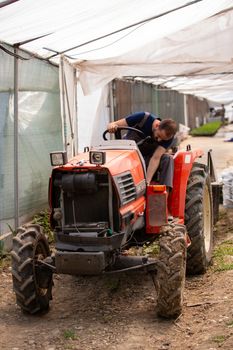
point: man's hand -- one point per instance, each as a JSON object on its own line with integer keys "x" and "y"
{"x": 112, "y": 127}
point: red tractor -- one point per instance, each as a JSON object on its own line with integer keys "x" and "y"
{"x": 100, "y": 207}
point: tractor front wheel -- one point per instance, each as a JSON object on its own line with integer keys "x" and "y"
{"x": 32, "y": 285}
{"x": 171, "y": 271}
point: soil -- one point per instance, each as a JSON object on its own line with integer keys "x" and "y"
{"x": 119, "y": 312}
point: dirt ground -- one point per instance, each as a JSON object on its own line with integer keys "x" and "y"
{"x": 119, "y": 313}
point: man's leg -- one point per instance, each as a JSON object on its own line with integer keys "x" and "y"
{"x": 166, "y": 170}
{"x": 166, "y": 173}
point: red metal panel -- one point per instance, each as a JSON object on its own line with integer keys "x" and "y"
{"x": 183, "y": 165}
{"x": 156, "y": 209}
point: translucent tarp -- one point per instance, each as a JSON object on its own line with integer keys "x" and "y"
{"x": 160, "y": 39}
{"x": 39, "y": 133}
{"x": 184, "y": 45}
{"x": 196, "y": 60}
{"x": 74, "y": 22}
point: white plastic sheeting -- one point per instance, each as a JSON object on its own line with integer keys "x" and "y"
{"x": 189, "y": 42}
{"x": 196, "y": 60}
{"x": 39, "y": 132}
{"x": 227, "y": 179}
{"x": 73, "y": 22}
{"x": 95, "y": 112}
{"x": 68, "y": 107}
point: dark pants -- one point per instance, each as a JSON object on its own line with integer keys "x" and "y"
{"x": 165, "y": 171}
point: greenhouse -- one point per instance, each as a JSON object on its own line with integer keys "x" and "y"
{"x": 58, "y": 61}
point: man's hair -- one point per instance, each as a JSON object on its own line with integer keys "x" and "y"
{"x": 170, "y": 127}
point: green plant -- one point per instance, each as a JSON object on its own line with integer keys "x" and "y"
{"x": 1, "y": 249}
{"x": 219, "y": 339}
{"x": 223, "y": 256}
{"x": 229, "y": 323}
{"x": 208, "y": 129}
{"x": 152, "y": 249}
{"x": 69, "y": 334}
{"x": 70, "y": 346}
{"x": 43, "y": 220}
{"x": 112, "y": 283}
{"x": 12, "y": 230}
{"x": 4, "y": 256}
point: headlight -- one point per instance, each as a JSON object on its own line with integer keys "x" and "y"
{"x": 97, "y": 157}
{"x": 58, "y": 158}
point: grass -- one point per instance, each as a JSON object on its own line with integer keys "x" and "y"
{"x": 5, "y": 261}
{"x": 1, "y": 249}
{"x": 152, "y": 250}
{"x": 208, "y": 129}
{"x": 112, "y": 283}
{"x": 69, "y": 334}
{"x": 219, "y": 339}
{"x": 149, "y": 249}
{"x": 229, "y": 323}
{"x": 223, "y": 256}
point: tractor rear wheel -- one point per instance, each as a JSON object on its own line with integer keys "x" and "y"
{"x": 199, "y": 219}
{"x": 171, "y": 271}
{"x": 32, "y": 285}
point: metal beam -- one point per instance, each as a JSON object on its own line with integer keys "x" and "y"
{"x": 7, "y": 2}
{"x": 63, "y": 103}
{"x": 16, "y": 129}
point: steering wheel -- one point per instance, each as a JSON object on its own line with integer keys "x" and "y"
{"x": 118, "y": 133}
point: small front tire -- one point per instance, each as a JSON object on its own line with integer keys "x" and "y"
{"x": 32, "y": 288}
{"x": 171, "y": 271}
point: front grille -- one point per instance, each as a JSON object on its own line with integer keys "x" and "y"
{"x": 126, "y": 187}
{"x": 85, "y": 196}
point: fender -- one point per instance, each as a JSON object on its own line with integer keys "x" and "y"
{"x": 183, "y": 163}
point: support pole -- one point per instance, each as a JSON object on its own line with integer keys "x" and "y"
{"x": 16, "y": 141}
{"x": 76, "y": 121}
{"x": 63, "y": 105}
{"x": 185, "y": 111}
{"x": 111, "y": 101}
{"x": 111, "y": 87}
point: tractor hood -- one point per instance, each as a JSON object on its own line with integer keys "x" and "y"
{"x": 116, "y": 161}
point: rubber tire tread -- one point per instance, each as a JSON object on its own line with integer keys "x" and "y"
{"x": 24, "y": 286}
{"x": 197, "y": 257}
{"x": 171, "y": 271}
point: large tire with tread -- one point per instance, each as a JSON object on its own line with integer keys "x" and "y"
{"x": 199, "y": 219}
{"x": 171, "y": 271}
{"x": 32, "y": 287}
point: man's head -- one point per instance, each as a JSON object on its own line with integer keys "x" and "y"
{"x": 164, "y": 130}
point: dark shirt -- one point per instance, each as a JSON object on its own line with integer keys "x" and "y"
{"x": 133, "y": 119}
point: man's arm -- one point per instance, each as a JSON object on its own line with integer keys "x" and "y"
{"x": 130, "y": 120}
{"x": 154, "y": 163}
{"x": 112, "y": 127}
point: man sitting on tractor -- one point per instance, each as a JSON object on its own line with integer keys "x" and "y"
{"x": 159, "y": 137}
